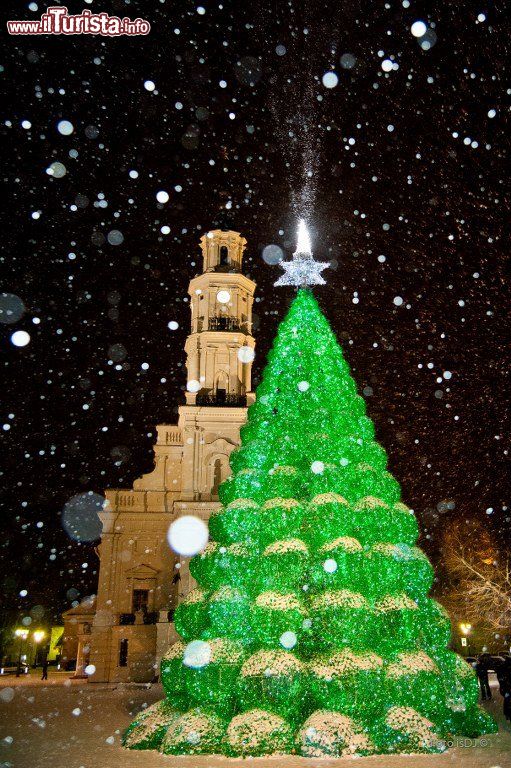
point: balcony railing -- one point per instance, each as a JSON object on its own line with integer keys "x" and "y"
{"x": 221, "y": 401}
{"x": 224, "y": 324}
{"x": 173, "y": 436}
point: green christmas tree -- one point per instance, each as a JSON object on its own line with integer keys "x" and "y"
{"x": 311, "y": 630}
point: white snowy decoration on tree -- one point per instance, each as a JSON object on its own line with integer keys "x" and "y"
{"x": 333, "y": 734}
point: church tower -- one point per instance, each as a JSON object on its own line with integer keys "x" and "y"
{"x": 221, "y": 304}
{"x": 140, "y": 579}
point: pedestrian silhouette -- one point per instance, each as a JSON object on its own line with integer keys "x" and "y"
{"x": 482, "y": 667}
{"x": 44, "y": 676}
{"x": 504, "y": 678}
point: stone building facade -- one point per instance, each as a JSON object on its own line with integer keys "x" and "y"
{"x": 140, "y": 579}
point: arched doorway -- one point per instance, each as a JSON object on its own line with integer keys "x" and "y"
{"x": 221, "y": 386}
{"x": 224, "y": 256}
{"x": 217, "y": 477}
{"x": 217, "y": 472}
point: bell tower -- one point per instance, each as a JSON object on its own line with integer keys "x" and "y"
{"x": 141, "y": 580}
{"x": 219, "y": 350}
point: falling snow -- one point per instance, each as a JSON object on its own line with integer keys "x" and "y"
{"x": 386, "y": 128}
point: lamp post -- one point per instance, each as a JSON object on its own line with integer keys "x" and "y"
{"x": 465, "y": 630}
{"x": 38, "y": 636}
{"x": 22, "y": 635}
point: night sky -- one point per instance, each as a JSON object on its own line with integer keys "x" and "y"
{"x": 402, "y": 178}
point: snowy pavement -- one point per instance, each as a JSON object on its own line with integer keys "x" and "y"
{"x": 72, "y": 724}
{"x": 34, "y": 678}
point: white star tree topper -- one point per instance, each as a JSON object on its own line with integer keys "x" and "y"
{"x": 303, "y": 270}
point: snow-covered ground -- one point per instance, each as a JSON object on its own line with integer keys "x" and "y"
{"x": 78, "y": 725}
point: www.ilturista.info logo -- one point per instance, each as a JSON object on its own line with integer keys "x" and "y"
{"x": 57, "y": 21}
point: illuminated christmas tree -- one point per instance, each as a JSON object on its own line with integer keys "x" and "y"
{"x": 311, "y": 630}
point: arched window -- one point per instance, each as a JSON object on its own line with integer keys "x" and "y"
{"x": 224, "y": 255}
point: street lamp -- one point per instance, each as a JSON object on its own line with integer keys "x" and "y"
{"x": 22, "y": 635}
{"x": 465, "y": 630}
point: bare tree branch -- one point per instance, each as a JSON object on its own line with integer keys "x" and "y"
{"x": 480, "y": 577}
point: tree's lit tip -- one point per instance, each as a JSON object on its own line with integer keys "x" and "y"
{"x": 303, "y": 244}
{"x": 302, "y": 270}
